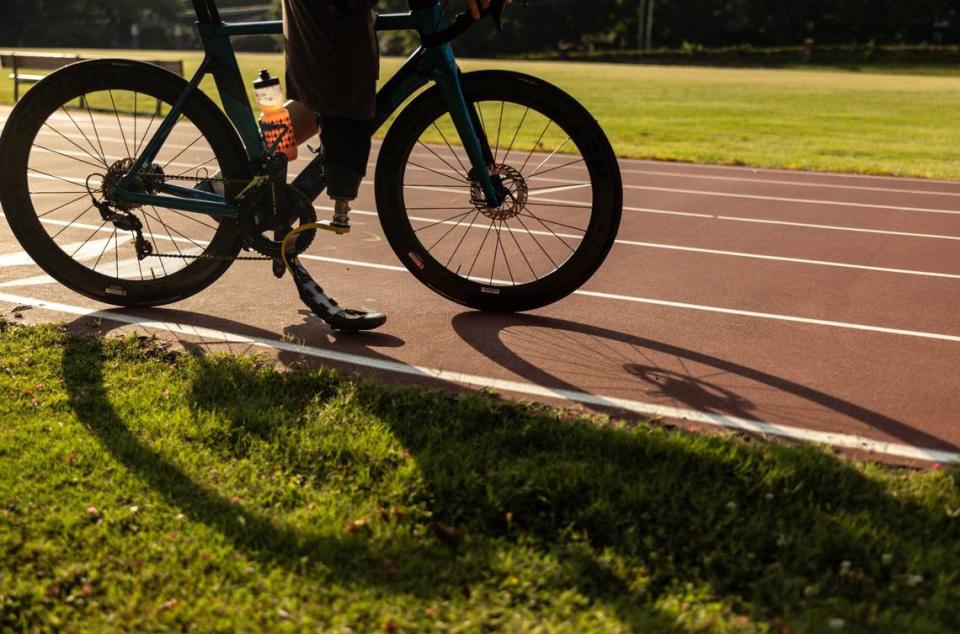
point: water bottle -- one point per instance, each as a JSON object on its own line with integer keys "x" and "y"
{"x": 275, "y": 120}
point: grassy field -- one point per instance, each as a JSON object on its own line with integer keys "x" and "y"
{"x": 142, "y": 490}
{"x": 867, "y": 122}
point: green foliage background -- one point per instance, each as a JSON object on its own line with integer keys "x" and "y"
{"x": 541, "y": 27}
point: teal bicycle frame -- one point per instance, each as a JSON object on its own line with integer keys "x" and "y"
{"x": 436, "y": 62}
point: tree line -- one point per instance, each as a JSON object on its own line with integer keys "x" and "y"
{"x": 541, "y": 25}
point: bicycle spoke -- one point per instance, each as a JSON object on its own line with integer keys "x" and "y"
{"x": 447, "y": 208}
{"x": 441, "y": 239}
{"x": 553, "y": 233}
{"x": 167, "y": 228}
{"x": 442, "y": 136}
{"x": 558, "y": 188}
{"x": 119, "y": 125}
{"x": 56, "y": 193}
{"x": 76, "y": 145}
{"x": 516, "y": 134}
{"x": 146, "y": 132}
{"x": 193, "y": 218}
{"x": 106, "y": 244}
{"x": 70, "y": 224}
{"x": 96, "y": 133}
{"x": 516, "y": 247}
{"x": 153, "y": 240}
{"x": 553, "y": 222}
{"x": 505, "y": 259}
{"x": 135, "y": 95}
{"x": 535, "y": 146}
{"x": 428, "y": 185}
{"x": 558, "y": 167}
{"x": 563, "y": 205}
{"x": 462, "y": 238}
{"x": 523, "y": 254}
{"x": 546, "y": 160}
{"x": 72, "y": 158}
{"x": 429, "y": 149}
{"x": 453, "y": 178}
{"x": 440, "y": 222}
{"x": 534, "y": 238}
{"x": 486, "y": 235}
{"x": 197, "y": 167}
{"x": 47, "y": 213}
{"x": 95, "y": 232}
{"x": 496, "y": 152}
{"x": 59, "y": 178}
{"x": 194, "y": 142}
{"x": 72, "y": 120}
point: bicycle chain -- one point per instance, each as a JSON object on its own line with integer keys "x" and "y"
{"x": 204, "y": 256}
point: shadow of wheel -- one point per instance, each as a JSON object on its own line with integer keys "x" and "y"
{"x": 578, "y": 357}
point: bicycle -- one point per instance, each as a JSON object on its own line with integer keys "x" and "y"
{"x": 475, "y": 221}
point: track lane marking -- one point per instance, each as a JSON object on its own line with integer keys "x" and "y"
{"x": 695, "y": 307}
{"x": 649, "y": 410}
{"x": 692, "y": 192}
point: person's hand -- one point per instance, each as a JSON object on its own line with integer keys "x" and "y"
{"x": 476, "y": 5}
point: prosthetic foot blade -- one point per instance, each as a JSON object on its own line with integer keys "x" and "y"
{"x": 328, "y": 310}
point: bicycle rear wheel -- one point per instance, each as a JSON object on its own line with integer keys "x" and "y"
{"x": 74, "y": 132}
{"x": 553, "y": 231}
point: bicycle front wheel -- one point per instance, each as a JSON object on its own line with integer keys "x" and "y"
{"x": 554, "y": 229}
{"x": 76, "y": 133}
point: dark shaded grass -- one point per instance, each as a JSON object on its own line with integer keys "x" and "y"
{"x": 310, "y": 499}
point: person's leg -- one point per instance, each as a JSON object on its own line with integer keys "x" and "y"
{"x": 346, "y": 147}
{"x": 332, "y": 66}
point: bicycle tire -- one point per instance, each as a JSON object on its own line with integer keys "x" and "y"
{"x": 570, "y": 116}
{"x": 16, "y": 143}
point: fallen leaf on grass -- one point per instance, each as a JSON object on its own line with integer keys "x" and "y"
{"x": 447, "y": 534}
{"x": 357, "y": 525}
{"x": 172, "y": 604}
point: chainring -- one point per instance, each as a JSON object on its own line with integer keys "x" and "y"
{"x": 257, "y": 208}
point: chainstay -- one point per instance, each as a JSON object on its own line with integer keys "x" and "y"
{"x": 204, "y": 256}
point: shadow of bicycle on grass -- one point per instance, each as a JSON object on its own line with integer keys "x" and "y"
{"x": 632, "y": 519}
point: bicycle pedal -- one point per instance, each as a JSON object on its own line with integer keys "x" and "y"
{"x": 279, "y": 268}
{"x": 328, "y": 225}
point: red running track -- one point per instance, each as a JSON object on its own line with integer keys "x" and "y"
{"x": 819, "y": 307}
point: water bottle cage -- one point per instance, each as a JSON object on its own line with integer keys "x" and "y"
{"x": 268, "y": 128}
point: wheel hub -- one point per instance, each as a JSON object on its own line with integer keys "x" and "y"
{"x": 512, "y": 188}
{"x": 146, "y": 182}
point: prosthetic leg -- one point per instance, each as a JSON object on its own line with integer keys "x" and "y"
{"x": 346, "y": 147}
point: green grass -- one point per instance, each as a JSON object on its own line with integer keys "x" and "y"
{"x": 142, "y": 490}
{"x": 865, "y": 122}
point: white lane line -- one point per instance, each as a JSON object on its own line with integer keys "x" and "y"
{"x": 674, "y": 247}
{"x": 775, "y": 317}
{"x": 771, "y": 170}
{"x": 784, "y": 223}
{"x": 772, "y": 181}
{"x": 846, "y": 441}
{"x": 776, "y": 258}
{"x": 784, "y": 199}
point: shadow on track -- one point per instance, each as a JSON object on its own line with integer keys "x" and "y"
{"x": 595, "y": 360}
